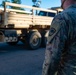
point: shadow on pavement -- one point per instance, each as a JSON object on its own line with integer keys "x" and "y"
{"x": 6, "y": 47}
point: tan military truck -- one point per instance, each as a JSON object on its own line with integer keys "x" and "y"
{"x": 25, "y": 26}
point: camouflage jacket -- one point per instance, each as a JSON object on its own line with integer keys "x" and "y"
{"x": 60, "y": 54}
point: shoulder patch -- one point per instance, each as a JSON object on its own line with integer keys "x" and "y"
{"x": 52, "y": 31}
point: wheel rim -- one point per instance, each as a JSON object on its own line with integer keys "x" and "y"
{"x": 35, "y": 40}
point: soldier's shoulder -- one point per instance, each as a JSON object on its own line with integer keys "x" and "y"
{"x": 58, "y": 18}
{"x": 62, "y": 16}
{"x": 67, "y": 11}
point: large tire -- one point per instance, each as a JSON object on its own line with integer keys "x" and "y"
{"x": 33, "y": 40}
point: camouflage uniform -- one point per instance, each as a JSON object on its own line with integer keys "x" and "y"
{"x": 60, "y": 55}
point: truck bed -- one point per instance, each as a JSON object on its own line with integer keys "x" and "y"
{"x": 25, "y": 20}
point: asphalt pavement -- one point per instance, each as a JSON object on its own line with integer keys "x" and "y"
{"x": 17, "y": 60}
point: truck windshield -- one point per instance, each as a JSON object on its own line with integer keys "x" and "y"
{"x": 43, "y": 13}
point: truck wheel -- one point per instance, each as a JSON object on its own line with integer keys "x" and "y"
{"x": 33, "y": 40}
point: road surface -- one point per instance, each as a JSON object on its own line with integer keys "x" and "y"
{"x": 17, "y": 60}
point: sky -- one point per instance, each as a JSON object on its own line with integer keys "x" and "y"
{"x": 44, "y": 3}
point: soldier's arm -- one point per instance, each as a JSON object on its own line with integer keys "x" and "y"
{"x": 55, "y": 46}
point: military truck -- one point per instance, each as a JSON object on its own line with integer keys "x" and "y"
{"x": 25, "y": 26}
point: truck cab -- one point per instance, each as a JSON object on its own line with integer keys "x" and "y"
{"x": 49, "y": 14}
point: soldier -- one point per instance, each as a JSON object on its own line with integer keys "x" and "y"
{"x": 60, "y": 55}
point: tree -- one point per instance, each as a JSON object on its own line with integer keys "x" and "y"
{"x": 36, "y": 3}
{"x": 2, "y": 4}
{"x": 17, "y": 2}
